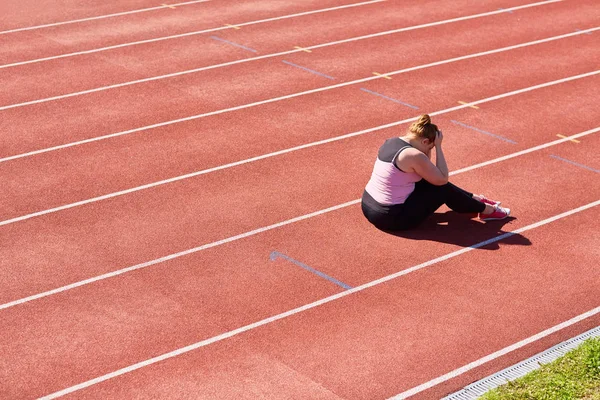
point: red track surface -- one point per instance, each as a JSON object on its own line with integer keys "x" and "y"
{"x": 375, "y": 343}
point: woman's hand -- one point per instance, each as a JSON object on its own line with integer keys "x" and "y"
{"x": 438, "y": 139}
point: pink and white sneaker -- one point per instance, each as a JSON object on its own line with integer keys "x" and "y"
{"x": 499, "y": 213}
{"x": 489, "y": 201}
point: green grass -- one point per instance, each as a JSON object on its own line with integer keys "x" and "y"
{"x": 576, "y": 375}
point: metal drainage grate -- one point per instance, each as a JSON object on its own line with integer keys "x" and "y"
{"x": 479, "y": 388}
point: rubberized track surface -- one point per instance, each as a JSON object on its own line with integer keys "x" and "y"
{"x": 163, "y": 197}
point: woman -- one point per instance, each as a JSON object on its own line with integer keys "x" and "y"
{"x": 406, "y": 187}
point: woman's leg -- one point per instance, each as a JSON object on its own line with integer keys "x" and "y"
{"x": 461, "y": 201}
{"x": 422, "y": 202}
{"x": 427, "y": 198}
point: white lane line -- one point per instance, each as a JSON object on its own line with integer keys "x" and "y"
{"x": 102, "y": 16}
{"x": 181, "y": 35}
{"x": 264, "y": 229}
{"x": 526, "y": 151}
{"x": 475, "y": 389}
{"x": 304, "y": 146}
{"x": 174, "y": 256}
{"x": 329, "y": 299}
{"x": 497, "y": 354}
{"x": 275, "y": 99}
{"x": 174, "y": 74}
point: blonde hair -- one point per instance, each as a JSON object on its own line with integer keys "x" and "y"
{"x": 423, "y": 128}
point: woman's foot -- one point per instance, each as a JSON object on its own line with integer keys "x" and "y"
{"x": 494, "y": 212}
{"x": 483, "y": 199}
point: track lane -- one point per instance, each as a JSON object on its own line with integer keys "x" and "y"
{"x": 509, "y": 359}
{"x": 232, "y": 360}
{"x": 531, "y": 195}
{"x": 482, "y": 302}
{"x": 41, "y": 74}
{"x": 147, "y": 287}
{"x": 138, "y": 159}
{"x": 23, "y": 53}
{"x": 364, "y": 361}
{"x": 170, "y": 40}
{"x": 148, "y": 225}
{"x": 272, "y": 364}
{"x": 162, "y": 22}
{"x": 29, "y": 15}
{"x": 57, "y": 122}
{"x": 189, "y": 53}
{"x": 105, "y": 236}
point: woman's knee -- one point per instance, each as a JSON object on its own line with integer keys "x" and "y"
{"x": 439, "y": 190}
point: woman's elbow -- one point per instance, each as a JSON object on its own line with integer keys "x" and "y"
{"x": 440, "y": 181}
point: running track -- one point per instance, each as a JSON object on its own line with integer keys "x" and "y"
{"x": 162, "y": 193}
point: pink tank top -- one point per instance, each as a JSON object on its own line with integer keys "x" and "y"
{"x": 388, "y": 184}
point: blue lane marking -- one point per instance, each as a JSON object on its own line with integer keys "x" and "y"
{"x": 234, "y": 44}
{"x": 574, "y": 163}
{"x": 275, "y": 254}
{"x": 389, "y": 98}
{"x": 484, "y": 132}
{"x": 585, "y": 33}
{"x": 307, "y": 69}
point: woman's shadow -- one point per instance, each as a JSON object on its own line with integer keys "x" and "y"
{"x": 462, "y": 230}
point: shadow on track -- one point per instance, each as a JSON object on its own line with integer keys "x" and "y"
{"x": 459, "y": 229}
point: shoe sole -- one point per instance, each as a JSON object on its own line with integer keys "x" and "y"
{"x": 497, "y": 219}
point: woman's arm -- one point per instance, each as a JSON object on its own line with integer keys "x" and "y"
{"x": 412, "y": 160}
{"x": 440, "y": 160}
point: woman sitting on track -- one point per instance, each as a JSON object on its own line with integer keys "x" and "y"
{"x": 406, "y": 187}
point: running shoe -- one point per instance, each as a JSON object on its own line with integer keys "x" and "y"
{"x": 489, "y": 201}
{"x": 499, "y": 213}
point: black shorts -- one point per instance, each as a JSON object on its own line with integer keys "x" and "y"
{"x": 420, "y": 204}
{"x": 384, "y": 217}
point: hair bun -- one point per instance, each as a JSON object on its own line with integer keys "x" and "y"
{"x": 423, "y": 120}
{"x": 418, "y": 127}
{"x": 423, "y": 128}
